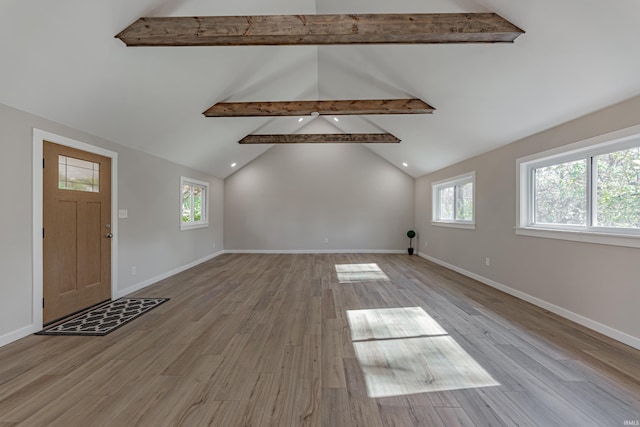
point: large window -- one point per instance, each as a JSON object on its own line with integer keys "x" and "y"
{"x": 590, "y": 190}
{"x": 193, "y": 203}
{"x": 454, "y": 201}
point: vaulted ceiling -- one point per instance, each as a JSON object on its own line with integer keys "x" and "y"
{"x": 60, "y": 60}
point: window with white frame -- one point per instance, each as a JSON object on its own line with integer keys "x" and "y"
{"x": 590, "y": 191}
{"x": 193, "y": 203}
{"x": 453, "y": 201}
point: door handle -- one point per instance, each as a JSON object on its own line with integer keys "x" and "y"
{"x": 108, "y": 235}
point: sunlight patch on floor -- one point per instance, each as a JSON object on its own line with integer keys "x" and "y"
{"x": 352, "y": 273}
{"x": 392, "y": 323}
{"x": 405, "y": 351}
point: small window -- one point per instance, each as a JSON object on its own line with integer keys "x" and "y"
{"x": 78, "y": 175}
{"x": 193, "y": 203}
{"x": 588, "y": 192}
{"x": 454, "y": 201}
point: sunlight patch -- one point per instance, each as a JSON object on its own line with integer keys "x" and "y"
{"x": 405, "y": 351}
{"x": 392, "y": 323}
{"x": 352, "y": 273}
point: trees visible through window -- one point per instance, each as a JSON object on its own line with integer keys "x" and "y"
{"x": 561, "y": 193}
{"x": 193, "y": 203}
{"x": 617, "y": 185}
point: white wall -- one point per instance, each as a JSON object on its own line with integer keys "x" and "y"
{"x": 149, "y": 238}
{"x": 294, "y": 196}
{"x": 595, "y": 284}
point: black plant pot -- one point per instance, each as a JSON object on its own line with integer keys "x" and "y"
{"x": 410, "y": 250}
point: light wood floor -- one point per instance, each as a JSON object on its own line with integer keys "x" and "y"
{"x": 266, "y": 340}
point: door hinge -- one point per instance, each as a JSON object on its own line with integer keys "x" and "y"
{"x": 43, "y": 232}
{"x": 42, "y": 302}
{"x": 42, "y": 163}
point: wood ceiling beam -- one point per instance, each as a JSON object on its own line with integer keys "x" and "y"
{"x": 320, "y": 30}
{"x": 332, "y": 108}
{"x": 333, "y": 138}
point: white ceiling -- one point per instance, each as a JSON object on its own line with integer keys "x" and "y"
{"x": 60, "y": 60}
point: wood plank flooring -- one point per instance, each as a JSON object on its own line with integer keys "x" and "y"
{"x": 266, "y": 340}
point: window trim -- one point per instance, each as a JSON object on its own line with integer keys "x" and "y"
{"x": 584, "y": 149}
{"x": 204, "y": 222}
{"x": 435, "y": 201}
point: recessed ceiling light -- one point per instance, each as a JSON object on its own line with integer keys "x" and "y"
{"x": 405, "y": 164}
{"x": 234, "y": 164}
{"x": 336, "y": 119}
{"x": 300, "y": 119}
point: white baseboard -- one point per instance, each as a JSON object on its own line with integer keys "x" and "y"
{"x": 574, "y": 317}
{"x": 156, "y": 279}
{"x": 315, "y": 251}
{"x": 16, "y": 335}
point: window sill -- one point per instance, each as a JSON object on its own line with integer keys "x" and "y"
{"x": 466, "y": 226}
{"x": 627, "y": 240}
{"x": 184, "y": 227}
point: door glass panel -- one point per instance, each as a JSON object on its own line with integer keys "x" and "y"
{"x": 78, "y": 175}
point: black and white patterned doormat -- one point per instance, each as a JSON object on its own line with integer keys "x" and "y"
{"x": 105, "y": 318}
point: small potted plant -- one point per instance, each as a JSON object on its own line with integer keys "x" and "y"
{"x": 410, "y": 234}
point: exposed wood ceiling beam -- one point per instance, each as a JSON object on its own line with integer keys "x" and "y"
{"x": 320, "y": 30}
{"x": 332, "y": 108}
{"x": 315, "y": 138}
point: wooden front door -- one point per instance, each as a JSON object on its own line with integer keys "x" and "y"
{"x": 77, "y": 230}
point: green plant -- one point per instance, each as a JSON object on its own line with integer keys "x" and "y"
{"x": 411, "y": 234}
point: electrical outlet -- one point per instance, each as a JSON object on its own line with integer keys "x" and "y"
{"x": 134, "y": 270}
{"x": 326, "y": 240}
{"x": 426, "y": 244}
{"x": 214, "y": 244}
{"x": 487, "y": 262}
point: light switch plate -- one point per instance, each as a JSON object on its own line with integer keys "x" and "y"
{"x": 123, "y": 213}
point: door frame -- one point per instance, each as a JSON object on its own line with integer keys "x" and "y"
{"x": 39, "y": 136}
